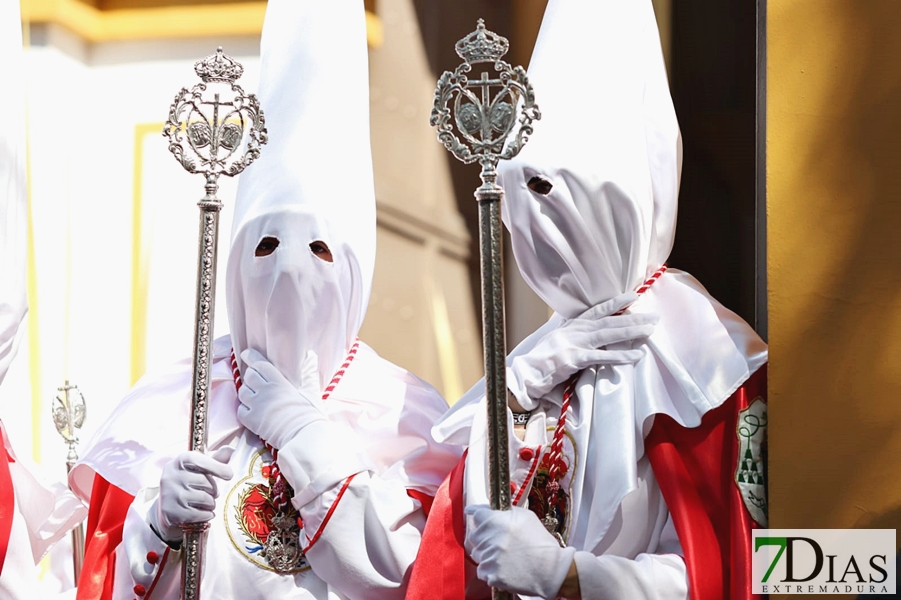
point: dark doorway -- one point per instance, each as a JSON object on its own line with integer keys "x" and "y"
{"x": 714, "y": 82}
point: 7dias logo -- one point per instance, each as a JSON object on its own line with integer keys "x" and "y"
{"x": 823, "y": 561}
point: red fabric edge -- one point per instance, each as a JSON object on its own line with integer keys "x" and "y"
{"x": 532, "y": 468}
{"x": 439, "y": 571}
{"x": 159, "y": 572}
{"x": 7, "y": 501}
{"x": 106, "y": 517}
{"x": 695, "y": 469}
{"x": 424, "y": 500}
{"x": 328, "y": 515}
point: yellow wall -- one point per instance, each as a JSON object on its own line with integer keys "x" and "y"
{"x": 834, "y": 244}
{"x": 154, "y": 19}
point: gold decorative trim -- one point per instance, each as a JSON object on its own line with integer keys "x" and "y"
{"x": 229, "y": 505}
{"x": 35, "y": 363}
{"x": 448, "y": 359}
{"x": 140, "y": 258}
{"x": 186, "y": 21}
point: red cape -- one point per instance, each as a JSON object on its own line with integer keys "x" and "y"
{"x": 696, "y": 470}
{"x": 7, "y": 500}
{"x": 106, "y": 517}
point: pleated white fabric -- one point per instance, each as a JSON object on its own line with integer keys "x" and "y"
{"x": 389, "y": 409}
{"x": 44, "y": 512}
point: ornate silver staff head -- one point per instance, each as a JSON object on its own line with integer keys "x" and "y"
{"x": 68, "y": 416}
{"x": 207, "y": 128}
{"x": 475, "y": 118}
{"x": 208, "y": 124}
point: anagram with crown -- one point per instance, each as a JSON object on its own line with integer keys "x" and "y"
{"x": 206, "y": 127}
{"x": 483, "y": 111}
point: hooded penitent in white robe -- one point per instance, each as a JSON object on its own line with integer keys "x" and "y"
{"x": 363, "y": 513}
{"x": 609, "y": 143}
{"x": 33, "y": 514}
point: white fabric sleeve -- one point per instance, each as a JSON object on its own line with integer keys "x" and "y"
{"x": 323, "y": 455}
{"x": 143, "y": 560}
{"x": 647, "y": 577}
{"x": 50, "y": 510}
{"x": 660, "y": 576}
{"x": 365, "y": 547}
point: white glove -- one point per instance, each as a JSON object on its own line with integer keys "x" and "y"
{"x": 576, "y": 345}
{"x": 188, "y": 492}
{"x": 514, "y": 551}
{"x": 312, "y": 461}
{"x": 271, "y": 406}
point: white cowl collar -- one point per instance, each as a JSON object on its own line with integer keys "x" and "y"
{"x": 610, "y": 145}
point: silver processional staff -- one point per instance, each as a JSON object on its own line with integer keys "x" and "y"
{"x": 68, "y": 416}
{"x": 207, "y": 129}
{"x": 485, "y": 120}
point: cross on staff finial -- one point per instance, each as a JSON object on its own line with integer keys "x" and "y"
{"x": 68, "y": 416}
{"x": 197, "y": 138}
{"x": 476, "y": 118}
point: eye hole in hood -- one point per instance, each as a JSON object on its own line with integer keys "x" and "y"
{"x": 540, "y": 185}
{"x": 321, "y": 250}
{"x": 266, "y": 246}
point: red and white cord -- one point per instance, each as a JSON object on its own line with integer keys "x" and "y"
{"x": 280, "y": 490}
{"x": 556, "y": 465}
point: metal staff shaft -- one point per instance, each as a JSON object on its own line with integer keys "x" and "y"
{"x": 206, "y": 132}
{"x": 494, "y": 343}
{"x": 483, "y": 112}
{"x": 77, "y": 540}
{"x": 489, "y": 196}
{"x": 204, "y": 314}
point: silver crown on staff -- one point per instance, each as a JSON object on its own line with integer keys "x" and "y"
{"x": 484, "y": 109}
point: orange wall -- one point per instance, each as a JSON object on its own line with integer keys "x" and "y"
{"x": 834, "y": 247}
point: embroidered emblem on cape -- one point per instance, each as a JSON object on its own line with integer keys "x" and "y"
{"x": 750, "y": 473}
{"x": 266, "y": 537}
{"x": 547, "y": 498}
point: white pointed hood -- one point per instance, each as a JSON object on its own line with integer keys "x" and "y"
{"x": 312, "y": 182}
{"x": 610, "y": 145}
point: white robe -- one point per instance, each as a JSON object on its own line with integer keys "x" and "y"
{"x": 364, "y": 547}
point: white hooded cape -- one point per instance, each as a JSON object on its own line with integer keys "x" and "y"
{"x": 610, "y": 145}
{"x": 312, "y": 183}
